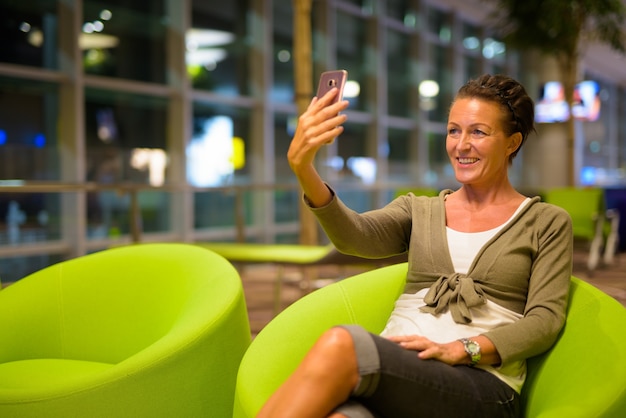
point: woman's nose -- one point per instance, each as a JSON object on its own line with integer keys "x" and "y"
{"x": 464, "y": 141}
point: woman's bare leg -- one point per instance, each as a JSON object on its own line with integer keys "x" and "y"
{"x": 324, "y": 380}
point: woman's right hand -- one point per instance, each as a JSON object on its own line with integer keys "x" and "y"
{"x": 319, "y": 125}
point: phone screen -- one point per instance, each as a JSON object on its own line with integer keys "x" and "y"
{"x": 330, "y": 80}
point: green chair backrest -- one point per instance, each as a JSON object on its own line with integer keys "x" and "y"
{"x": 582, "y": 204}
{"x": 366, "y": 299}
{"x": 584, "y": 374}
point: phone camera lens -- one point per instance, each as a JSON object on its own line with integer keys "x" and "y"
{"x": 332, "y": 83}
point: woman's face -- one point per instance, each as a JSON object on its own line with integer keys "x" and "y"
{"x": 477, "y": 144}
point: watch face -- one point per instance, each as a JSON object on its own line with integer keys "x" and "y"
{"x": 473, "y": 347}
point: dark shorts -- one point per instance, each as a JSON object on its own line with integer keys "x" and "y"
{"x": 395, "y": 383}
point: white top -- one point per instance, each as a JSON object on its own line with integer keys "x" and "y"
{"x": 408, "y": 319}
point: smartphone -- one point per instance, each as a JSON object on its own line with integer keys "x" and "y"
{"x": 330, "y": 80}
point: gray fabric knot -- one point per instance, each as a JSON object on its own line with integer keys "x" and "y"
{"x": 458, "y": 293}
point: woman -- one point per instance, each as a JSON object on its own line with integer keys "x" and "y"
{"x": 487, "y": 281}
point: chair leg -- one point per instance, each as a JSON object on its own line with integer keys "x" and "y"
{"x": 612, "y": 239}
{"x": 596, "y": 244}
{"x": 278, "y": 287}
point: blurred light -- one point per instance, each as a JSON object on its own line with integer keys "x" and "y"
{"x": 336, "y": 163}
{"x": 97, "y": 41}
{"x": 3, "y": 137}
{"x": 363, "y": 167}
{"x": 284, "y": 55}
{"x": 594, "y": 146}
{"x": 88, "y": 27}
{"x": 35, "y": 37}
{"x": 210, "y": 159}
{"x": 199, "y": 38}
{"x": 201, "y": 47}
{"x": 95, "y": 57}
{"x": 292, "y": 124}
{"x": 410, "y": 20}
{"x": 153, "y": 160}
{"x": 106, "y": 14}
{"x": 206, "y": 57}
{"x": 239, "y": 153}
{"x": 493, "y": 48}
{"x": 445, "y": 34}
{"x": 107, "y": 126}
{"x": 351, "y": 89}
{"x": 588, "y": 175}
{"x": 98, "y": 26}
{"x": 40, "y": 141}
{"x": 471, "y": 43}
{"x": 25, "y": 27}
{"x": 429, "y": 88}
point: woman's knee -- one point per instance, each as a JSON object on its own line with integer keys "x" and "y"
{"x": 335, "y": 340}
{"x": 335, "y": 349}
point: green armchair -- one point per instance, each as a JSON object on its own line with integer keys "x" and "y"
{"x": 584, "y": 375}
{"x": 152, "y": 330}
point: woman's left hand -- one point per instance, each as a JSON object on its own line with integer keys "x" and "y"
{"x": 450, "y": 353}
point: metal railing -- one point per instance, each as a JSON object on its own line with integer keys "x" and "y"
{"x": 133, "y": 190}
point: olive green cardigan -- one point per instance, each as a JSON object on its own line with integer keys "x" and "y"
{"x": 525, "y": 267}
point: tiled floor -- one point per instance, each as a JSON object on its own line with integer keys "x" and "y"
{"x": 259, "y": 280}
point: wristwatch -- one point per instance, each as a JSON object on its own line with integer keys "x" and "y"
{"x": 472, "y": 348}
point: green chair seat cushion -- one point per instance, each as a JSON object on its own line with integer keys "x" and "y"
{"x": 43, "y": 375}
{"x": 269, "y": 253}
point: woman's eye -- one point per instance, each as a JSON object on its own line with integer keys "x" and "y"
{"x": 478, "y": 132}
{"x": 453, "y": 131}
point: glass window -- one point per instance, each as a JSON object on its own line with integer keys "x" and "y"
{"x": 472, "y": 68}
{"x": 13, "y": 269}
{"x": 438, "y": 24}
{"x": 598, "y": 149}
{"x": 440, "y": 89}
{"x": 125, "y": 142}
{"x": 355, "y": 167}
{"x": 284, "y": 129}
{"x": 217, "y": 209}
{"x": 282, "y": 54}
{"x": 125, "y": 39}
{"x": 218, "y": 153}
{"x": 29, "y": 31}
{"x": 29, "y": 217}
{"x": 471, "y": 38}
{"x": 402, "y": 11}
{"x": 110, "y": 212}
{"x": 399, "y": 74}
{"x": 28, "y": 130}
{"x": 218, "y": 47}
{"x": 120, "y": 128}
{"x": 621, "y": 135}
{"x": 351, "y": 55}
{"x": 441, "y": 171}
{"x": 352, "y": 144}
{"x": 287, "y": 205}
{"x": 399, "y": 155}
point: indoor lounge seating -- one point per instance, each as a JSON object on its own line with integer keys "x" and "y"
{"x": 281, "y": 255}
{"x": 584, "y": 375}
{"x": 152, "y": 330}
{"x": 591, "y": 223}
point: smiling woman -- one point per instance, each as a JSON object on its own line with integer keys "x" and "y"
{"x": 483, "y": 288}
